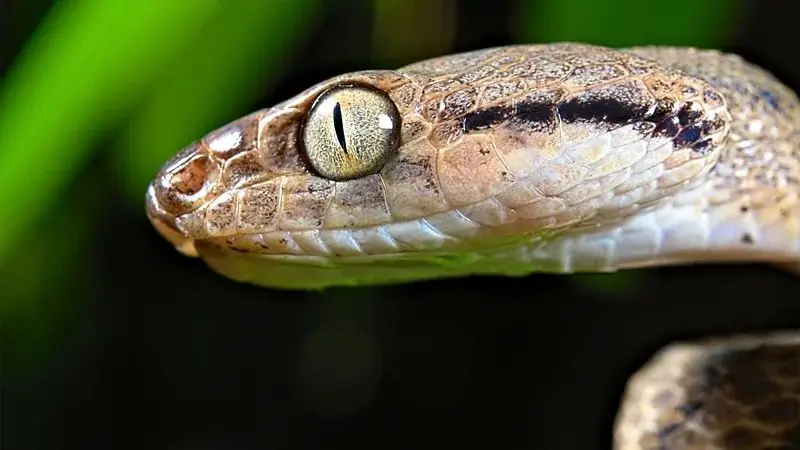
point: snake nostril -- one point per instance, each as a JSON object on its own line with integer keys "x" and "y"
{"x": 189, "y": 179}
{"x": 185, "y": 181}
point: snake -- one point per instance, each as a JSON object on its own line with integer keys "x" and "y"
{"x": 555, "y": 158}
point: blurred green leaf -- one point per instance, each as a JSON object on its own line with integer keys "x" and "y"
{"x": 409, "y": 30}
{"x": 629, "y": 22}
{"x": 616, "y": 285}
{"x": 47, "y": 283}
{"x": 213, "y": 79}
{"x": 81, "y": 71}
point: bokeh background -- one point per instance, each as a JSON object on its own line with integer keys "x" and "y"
{"x": 111, "y": 339}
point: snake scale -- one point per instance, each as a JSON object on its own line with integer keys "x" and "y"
{"x": 557, "y": 158}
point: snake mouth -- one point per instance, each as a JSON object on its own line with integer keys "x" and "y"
{"x": 164, "y": 223}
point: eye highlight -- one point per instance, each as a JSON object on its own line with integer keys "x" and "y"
{"x": 350, "y": 132}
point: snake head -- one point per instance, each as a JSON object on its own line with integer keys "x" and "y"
{"x": 450, "y": 166}
{"x": 276, "y": 168}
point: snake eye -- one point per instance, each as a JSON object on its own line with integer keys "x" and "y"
{"x": 350, "y": 132}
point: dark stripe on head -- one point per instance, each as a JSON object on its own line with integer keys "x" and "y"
{"x": 606, "y": 107}
{"x": 688, "y": 135}
{"x": 532, "y": 113}
{"x": 486, "y": 118}
{"x": 600, "y": 110}
{"x": 689, "y": 113}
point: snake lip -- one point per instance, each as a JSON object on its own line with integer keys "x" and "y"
{"x": 164, "y": 223}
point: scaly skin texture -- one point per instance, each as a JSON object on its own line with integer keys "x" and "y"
{"x": 550, "y": 158}
{"x": 557, "y": 158}
{"x": 741, "y": 393}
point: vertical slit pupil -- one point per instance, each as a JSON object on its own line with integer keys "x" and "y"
{"x": 338, "y": 125}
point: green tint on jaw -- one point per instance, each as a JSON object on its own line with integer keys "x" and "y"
{"x": 311, "y": 273}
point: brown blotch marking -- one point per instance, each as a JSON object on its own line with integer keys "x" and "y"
{"x": 744, "y": 436}
{"x": 258, "y": 207}
{"x": 748, "y": 378}
{"x": 305, "y": 200}
{"x": 667, "y": 128}
{"x": 781, "y": 411}
{"x": 413, "y": 129}
{"x": 471, "y": 171}
{"x": 658, "y": 86}
{"x": 431, "y": 110}
{"x": 458, "y": 103}
{"x": 446, "y": 133}
{"x": 665, "y": 107}
{"x": 279, "y": 145}
{"x": 221, "y": 214}
{"x": 405, "y": 97}
{"x": 713, "y": 124}
{"x": 242, "y": 169}
{"x": 412, "y": 189}
{"x": 689, "y": 112}
{"x": 189, "y": 179}
{"x": 358, "y": 203}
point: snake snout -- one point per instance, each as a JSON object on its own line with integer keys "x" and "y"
{"x": 185, "y": 182}
{"x": 164, "y": 223}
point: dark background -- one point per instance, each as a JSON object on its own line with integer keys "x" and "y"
{"x": 125, "y": 344}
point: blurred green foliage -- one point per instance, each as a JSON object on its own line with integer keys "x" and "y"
{"x": 167, "y": 72}
{"x": 619, "y": 23}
